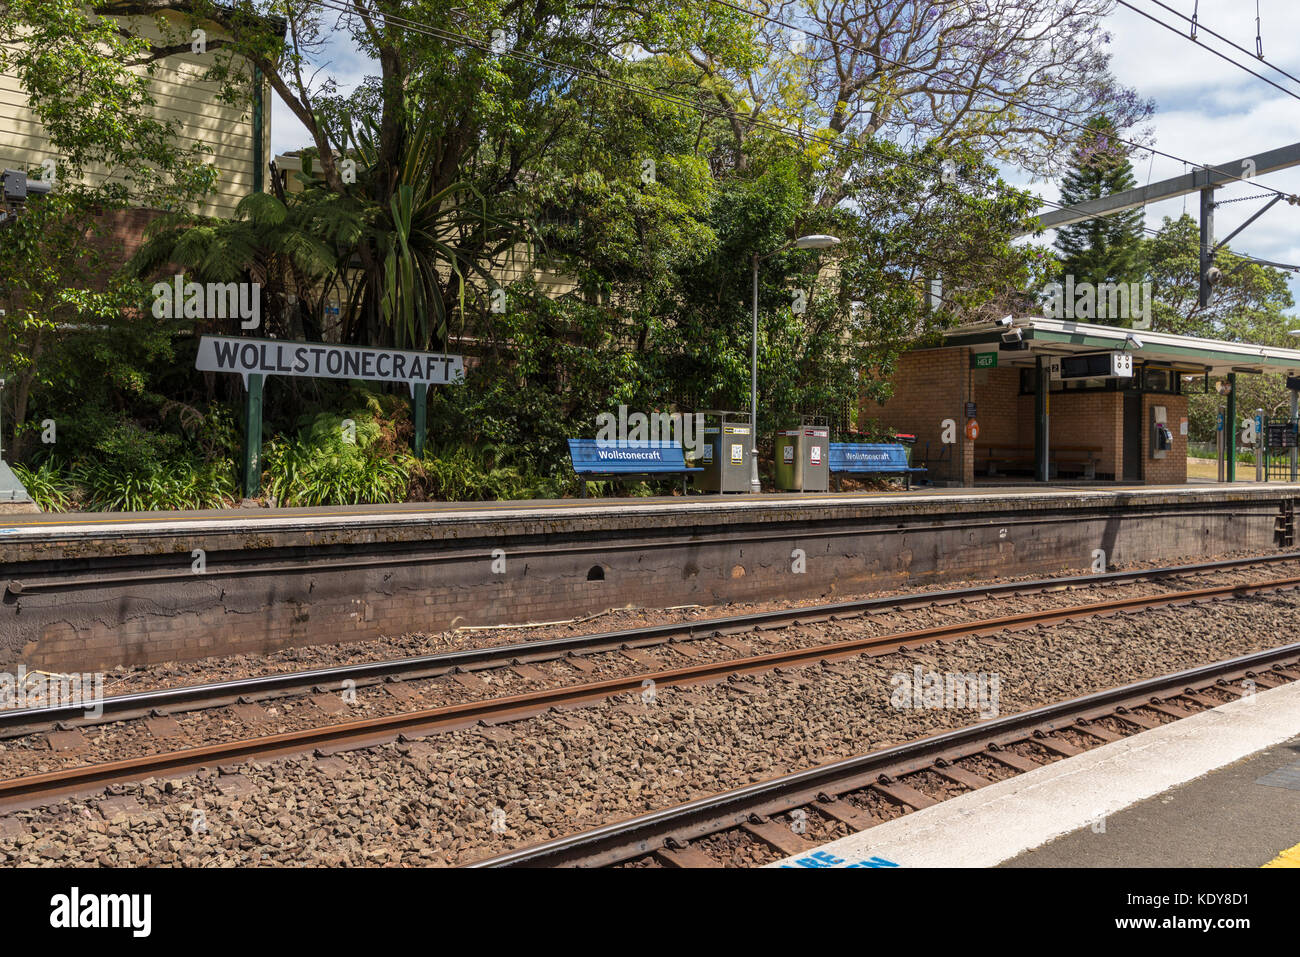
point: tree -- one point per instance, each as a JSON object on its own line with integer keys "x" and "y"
{"x": 87, "y": 80}
{"x": 1106, "y": 248}
{"x": 1009, "y": 79}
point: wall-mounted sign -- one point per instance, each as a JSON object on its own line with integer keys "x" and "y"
{"x": 985, "y": 360}
{"x": 1093, "y": 365}
{"x": 320, "y": 360}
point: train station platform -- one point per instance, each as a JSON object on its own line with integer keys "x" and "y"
{"x": 1218, "y": 789}
{"x": 1013, "y": 496}
{"x": 87, "y": 591}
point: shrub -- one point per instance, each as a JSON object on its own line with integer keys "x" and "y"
{"x": 174, "y": 485}
{"x": 462, "y": 473}
{"x": 50, "y": 485}
{"x": 325, "y": 466}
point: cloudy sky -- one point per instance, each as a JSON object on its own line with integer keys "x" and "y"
{"x": 1207, "y": 111}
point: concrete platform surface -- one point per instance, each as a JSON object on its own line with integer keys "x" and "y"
{"x": 654, "y": 509}
{"x": 1246, "y": 814}
{"x": 1181, "y": 795}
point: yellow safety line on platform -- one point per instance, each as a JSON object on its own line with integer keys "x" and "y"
{"x": 1288, "y": 858}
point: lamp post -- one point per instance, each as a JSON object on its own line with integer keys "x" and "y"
{"x": 817, "y": 241}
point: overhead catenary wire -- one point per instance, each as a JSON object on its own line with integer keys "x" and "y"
{"x": 1223, "y": 56}
{"x": 1259, "y": 45}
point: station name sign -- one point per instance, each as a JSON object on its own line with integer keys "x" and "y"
{"x": 320, "y": 360}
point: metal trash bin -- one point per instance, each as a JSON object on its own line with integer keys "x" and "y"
{"x": 728, "y": 444}
{"x": 906, "y": 441}
{"x": 803, "y": 455}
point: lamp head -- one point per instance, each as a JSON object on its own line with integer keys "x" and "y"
{"x": 816, "y": 241}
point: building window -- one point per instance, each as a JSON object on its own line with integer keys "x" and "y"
{"x": 1161, "y": 380}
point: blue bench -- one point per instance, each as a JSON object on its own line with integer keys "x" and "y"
{"x": 871, "y": 459}
{"x": 593, "y": 458}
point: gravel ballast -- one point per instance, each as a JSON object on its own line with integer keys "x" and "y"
{"x": 462, "y": 795}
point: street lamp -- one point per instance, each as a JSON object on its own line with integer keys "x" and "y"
{"x": 816, "y": 241}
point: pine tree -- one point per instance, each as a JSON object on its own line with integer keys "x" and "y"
{"x": 1106, "y": 248}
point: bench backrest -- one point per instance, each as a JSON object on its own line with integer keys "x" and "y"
{"x": 866, "y": 457}
{"x": 597, "y": 455}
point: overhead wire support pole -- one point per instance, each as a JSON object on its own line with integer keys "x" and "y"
{"x": 1222, "y": 174}
{"x": 1207, "y": 244}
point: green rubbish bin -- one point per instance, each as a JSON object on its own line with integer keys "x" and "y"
{"x": 728, "y": 443}
{"x": 803, "y": 455}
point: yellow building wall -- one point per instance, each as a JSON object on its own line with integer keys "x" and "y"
{"x": 180, "y": 94}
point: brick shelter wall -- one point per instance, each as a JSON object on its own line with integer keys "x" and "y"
{"x": 1078, "y": 419}
{"x": 997, "y": 406}
{"x": 1172, "y": 469}
{"x": 931, "y": 385}
{"x": 934, "y": 384}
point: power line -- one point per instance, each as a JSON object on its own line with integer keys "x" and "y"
{"x": 1259, "y": 46}
{"x": 1222, "y": 56}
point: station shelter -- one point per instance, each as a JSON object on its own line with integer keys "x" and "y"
{"x": 1038, "y": 400}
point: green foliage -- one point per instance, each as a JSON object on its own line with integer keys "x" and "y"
{"x": 103, "y": 486}
{"x": 456, "y": 149}
{"x": 64, "y": 314}
{"x": 459, "y": 473}
{"x": 168, "y": 486}
{"x": 88, "y": 83}
{"x": 1107, "y": 248}
{"x": 1250, "y": 304}
{"x": 325, "y": 465}
{"x": 49, "y": 485}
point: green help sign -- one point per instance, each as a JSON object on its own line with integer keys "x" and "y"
{"x": 986, "y": 360}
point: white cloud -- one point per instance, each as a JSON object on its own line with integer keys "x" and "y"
{"x": 1211, "y": 112}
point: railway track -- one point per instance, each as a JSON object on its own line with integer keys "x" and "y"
{"x": 841, "y": 792}
{"x": 24, "y": 721}
{"x": 33, "y": 790}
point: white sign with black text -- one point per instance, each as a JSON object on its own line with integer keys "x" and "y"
{"x": 321, "y": 360}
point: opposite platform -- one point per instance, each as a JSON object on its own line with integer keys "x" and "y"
{"x": 1219, "y": 788}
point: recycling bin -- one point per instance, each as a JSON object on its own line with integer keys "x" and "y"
{"x": 802, "y": 451}
{"x": 725, "y": 451}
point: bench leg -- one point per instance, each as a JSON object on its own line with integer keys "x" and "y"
{"x": 907, "y": 481}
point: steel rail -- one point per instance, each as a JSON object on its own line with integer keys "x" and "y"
{"x": 213, "y": 694}
{"x": 39, "y": 788}
{"x": 617, "y": 842}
